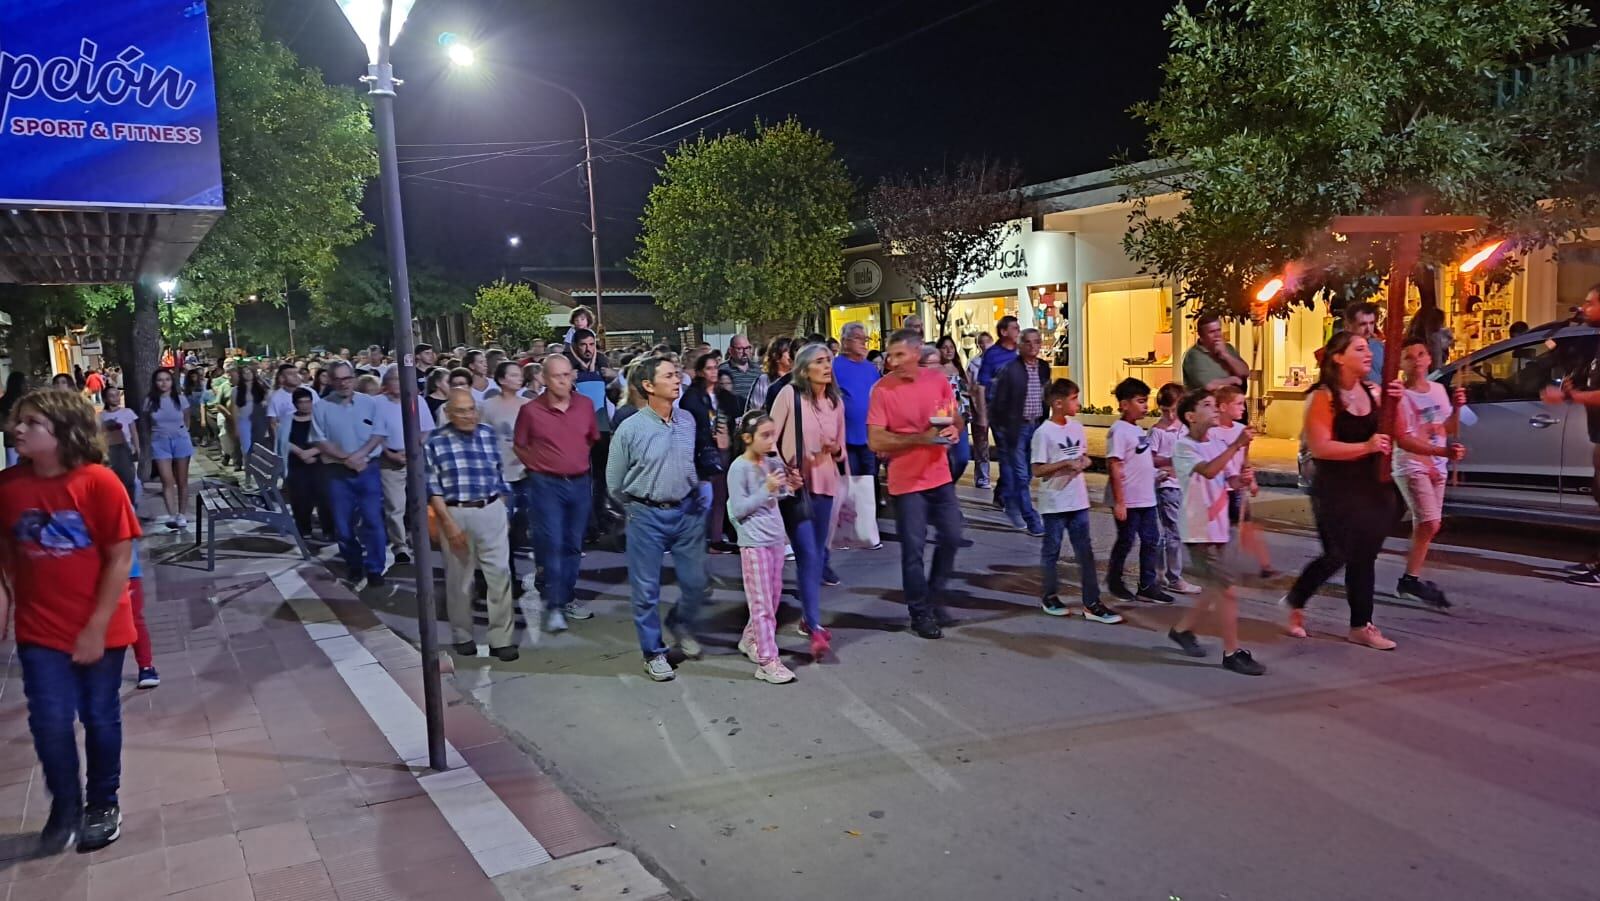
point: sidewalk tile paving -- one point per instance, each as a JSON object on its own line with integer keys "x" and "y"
{"x": 255, "y": 772}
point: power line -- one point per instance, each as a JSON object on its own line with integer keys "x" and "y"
{"x": 832, "y": 66}
{"x": 768, "y": 64}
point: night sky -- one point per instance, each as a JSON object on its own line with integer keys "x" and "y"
{"x": 1044, "y": 83}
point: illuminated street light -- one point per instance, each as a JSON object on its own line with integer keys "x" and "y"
{"x": 461, "y": 55}
{"x": 514, "y": 241}
{"x": 167, "y": 286}
{"x": 1481, "y": 257}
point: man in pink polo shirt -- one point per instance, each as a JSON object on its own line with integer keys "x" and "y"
{"x": 912, "y": 419}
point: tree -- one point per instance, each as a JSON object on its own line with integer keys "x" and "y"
{"x": 1283, "y": 114}
{"x": 296, "y": 157}
{"x": 353, "y": 304}
{"x": 746, "y": 227}
{"x": 943, "y": 230}
{"x": 510, "y": 313}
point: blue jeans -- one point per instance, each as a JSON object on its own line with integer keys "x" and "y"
{"x": 1076, "y": 526}
{"x": 863, "y": 462}
{"x": 558, "y": 523}
{"x": 959, "y": 455}
{"x": 352, "y": 494}
{"x": 651, "y": 532}
{"x": 59, "y": 692}
{"x": 521, "y": 507}
{"x": 1145, "y": 524}
{"x": 810, "y": 542}
{"x": 1016, "y": 474}
{"x": 1169, "y": 504}
{"x": 913, "y": 513}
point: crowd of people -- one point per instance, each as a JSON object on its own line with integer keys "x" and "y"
{"x": 531, "y": 454}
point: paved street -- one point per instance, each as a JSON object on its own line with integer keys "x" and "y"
{"x": 1030, "y": 757}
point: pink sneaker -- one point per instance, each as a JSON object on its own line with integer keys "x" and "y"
{"x": 1297, "y": 624}
{"x": 1370, "y": 636}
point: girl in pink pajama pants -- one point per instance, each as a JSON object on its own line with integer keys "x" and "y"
{"x": 755, "y": 482}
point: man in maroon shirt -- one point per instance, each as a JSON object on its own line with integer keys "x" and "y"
{"x": 553, "y": 436}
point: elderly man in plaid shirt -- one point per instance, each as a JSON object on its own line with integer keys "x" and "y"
{"x": 468, "y": 496}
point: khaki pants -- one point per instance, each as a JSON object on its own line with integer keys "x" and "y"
{"x": 488, "y": 549}
{"x": 394, "y": 509}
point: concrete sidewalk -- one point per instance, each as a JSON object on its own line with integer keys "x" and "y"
{"x": 283, "y": 756}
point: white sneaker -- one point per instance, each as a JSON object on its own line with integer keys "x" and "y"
{"x": 749, "y": 651}
{"x": 183, "y": 522}
{"x": 774, "y": 672}
{"x": 1180, "y": 586}
{"x": 689, "y": 646}
{"x": 659, "y": 669}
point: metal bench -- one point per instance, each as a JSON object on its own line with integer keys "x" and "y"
{"x": 263, "y": 503}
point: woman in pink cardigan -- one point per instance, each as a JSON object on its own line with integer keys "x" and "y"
{"x": 821, "y": 462}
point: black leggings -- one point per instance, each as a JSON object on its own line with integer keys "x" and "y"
{"x": 1352, "y": 526}
{"x": 306, "y": 494}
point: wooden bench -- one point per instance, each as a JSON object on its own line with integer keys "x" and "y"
{"x": 263, "y": 503}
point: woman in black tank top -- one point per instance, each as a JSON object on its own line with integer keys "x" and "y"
{"x": 1353, "y": 508}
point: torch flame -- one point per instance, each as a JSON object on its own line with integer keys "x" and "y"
{"x": 1479, "y": 258}
{"x": 1270, "y": 290}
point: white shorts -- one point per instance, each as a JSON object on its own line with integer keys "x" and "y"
{"x": 1424, "y": 494}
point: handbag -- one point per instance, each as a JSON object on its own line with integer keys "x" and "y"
{"x": 796, "y": 508}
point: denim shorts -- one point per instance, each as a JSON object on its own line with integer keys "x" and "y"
{"x": 171, "y": 446}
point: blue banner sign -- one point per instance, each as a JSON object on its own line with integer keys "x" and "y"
{"x": 107, "y": 104}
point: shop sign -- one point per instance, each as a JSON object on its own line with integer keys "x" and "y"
{"x": 1011, "y": 262}
{"x": 864, "y": 277}
{"x": 108, "y": 104}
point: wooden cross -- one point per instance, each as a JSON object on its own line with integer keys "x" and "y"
{"x": 1407, "y": 230}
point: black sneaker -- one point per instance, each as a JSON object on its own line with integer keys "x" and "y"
{"x": 101, "y": 827}
{"x": 830, "y": 578}
{"x": 465, "y": 648}
{"x": 1186, "y": 641}
{"x": 1118, "y": 590}
{"x": 61, "y": 831}
{"x": 1053, "y": 606}
{"x": 926, "y": 628}
{"x": 1426, "y": 592}
{"x": 506, "y": 654}
{"x": 1591, "y": 579}
{"x": 1242, "y": 663}
{"x": 1100, "y": 613}
{"x": 1154, "y": 594}
{"x": 401, "y": 558}
{"x": 374, "y": 580}
{"x": 1581, "y": 569}
{"x": 941, "y": 615}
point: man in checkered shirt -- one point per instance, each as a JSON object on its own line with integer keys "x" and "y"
{"x": 468, "y": 496}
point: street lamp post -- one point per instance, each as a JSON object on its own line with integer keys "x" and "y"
{"x": 373, "y": 21}
{"x": 463, "y": 55}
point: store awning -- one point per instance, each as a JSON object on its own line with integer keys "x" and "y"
{"x": 63, "y": 247}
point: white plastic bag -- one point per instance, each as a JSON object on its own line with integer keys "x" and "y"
{"x": 856, "y": 519}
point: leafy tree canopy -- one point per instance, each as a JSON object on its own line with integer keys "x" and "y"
{"x": 746, "y": 227}
{"x": 353, "y": 307}
{"x": 296, "y": 157}
{"x": 1285, "y": 113}
{"x": 944, "y": 229}
{"x": 510, "y": 314}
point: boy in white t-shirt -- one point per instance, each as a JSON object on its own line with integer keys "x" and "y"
{"x": 1201, "y": 463}
{"x": 1133, "y": 495}
{"x": 1241, "y": 478}
{"x": 1428, "y": 416}
{"x": 1164, "y": 437}
{"x": 1059, "y": 460}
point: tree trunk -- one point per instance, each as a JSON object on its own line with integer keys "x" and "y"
{"x": 143, "y": 349}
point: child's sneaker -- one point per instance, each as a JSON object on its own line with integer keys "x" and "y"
{"x": 1186, "y": 640}
{"x": 1100, "y": 613}
{"x": 1369, "y": 636}
{"x": 1179, "y": 586}
{"x": 1426, "y": 592}
{"x": 1242, "y": 663}
{"x": 1053, "y": 606}
{"x": 774, "y": 672}
{"x": 148, "y": 677}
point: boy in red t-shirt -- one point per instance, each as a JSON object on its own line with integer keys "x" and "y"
{"x": 912, "y": 420}
{"x": 66, "y": 544}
